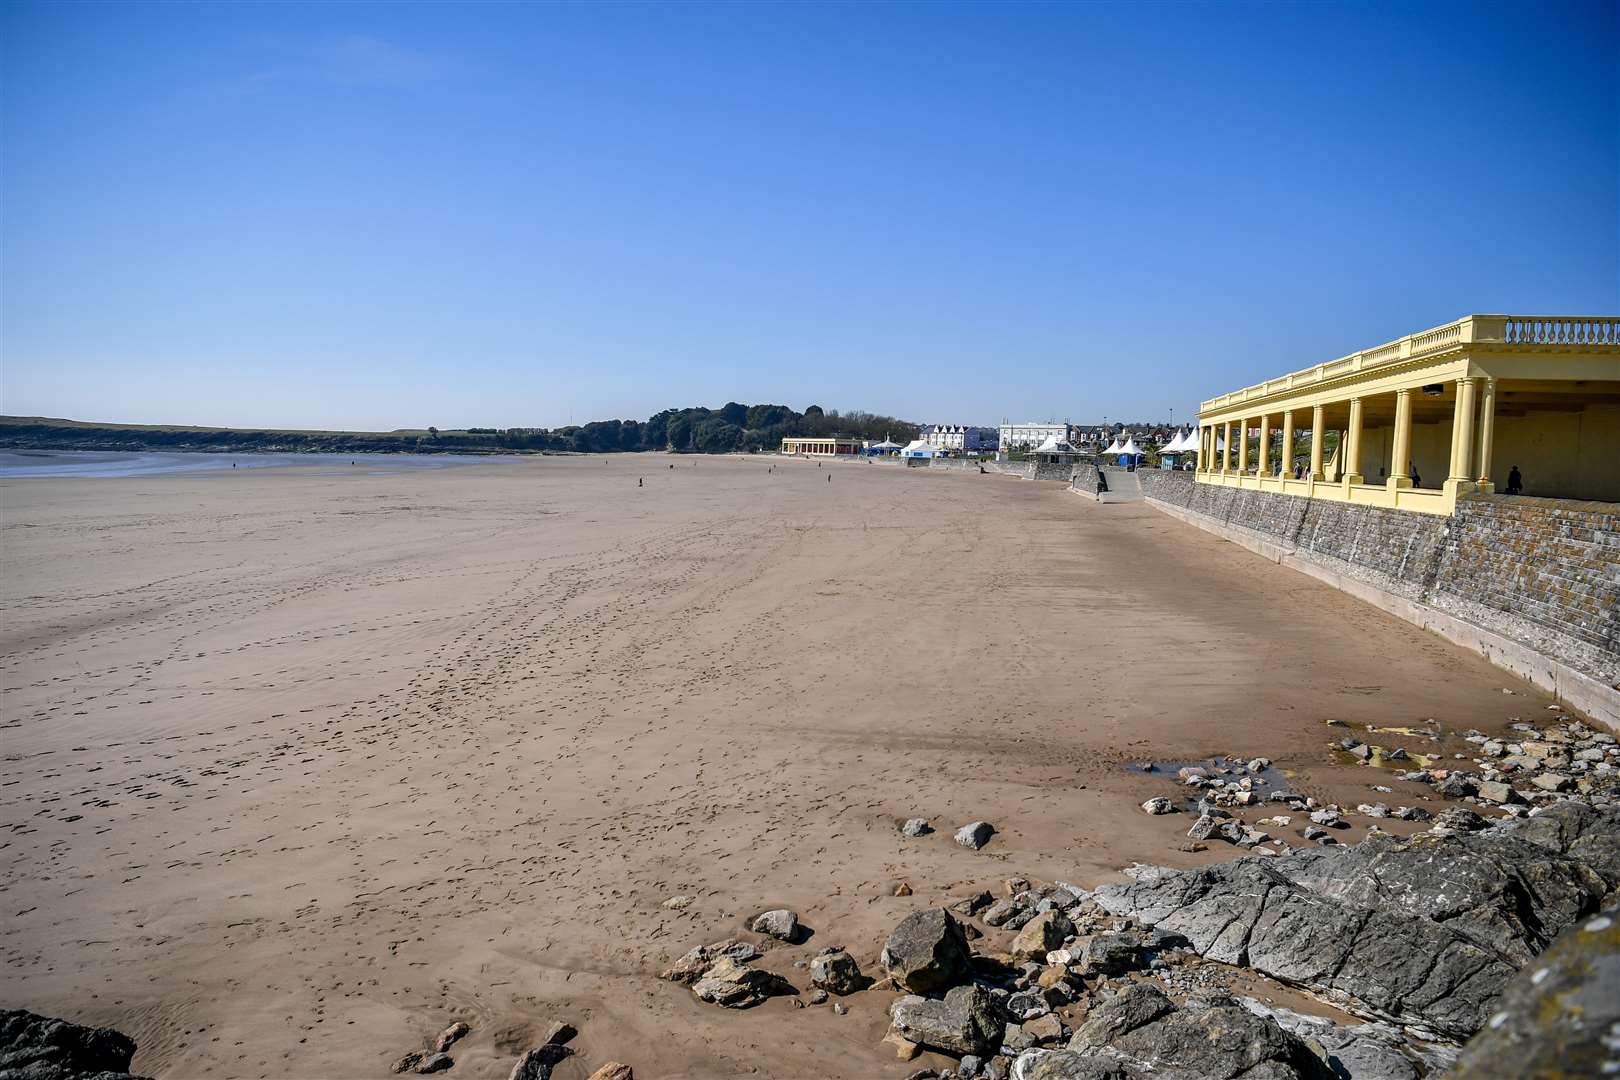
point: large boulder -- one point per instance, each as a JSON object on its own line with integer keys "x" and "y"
{"x": 965, "y": 1021}
{"x": 927, "y": 952}
{"x": 34, "y": 1047}
{"x": 1559, "y": 1016}
{"x": 1204, "y": 1040}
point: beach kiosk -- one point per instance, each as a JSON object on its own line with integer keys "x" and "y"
{"x": 1056, "y": 451}
{"x": 884, "y": 449}
{"x": 1178, "y": 450}
{"x": 918, "y": 452}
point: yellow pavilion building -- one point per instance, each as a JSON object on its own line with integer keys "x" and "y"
{"x": 1455, "y": 407}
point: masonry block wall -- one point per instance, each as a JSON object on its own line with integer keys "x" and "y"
{"x": 1024, "y": 469}
{"x": 1543, "y": 572}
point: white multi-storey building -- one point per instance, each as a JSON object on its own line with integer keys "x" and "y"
{"x": 953, "y": 437}
{"x": 1025, "y": 436}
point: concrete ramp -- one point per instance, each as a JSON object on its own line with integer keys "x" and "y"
{"x": 1123, "y": 486}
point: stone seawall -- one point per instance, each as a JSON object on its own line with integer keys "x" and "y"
{"x": 1531, "y": 584}
{"x": 1022, "y": 469}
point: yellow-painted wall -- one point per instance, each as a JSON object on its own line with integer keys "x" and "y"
{"x": 1562, "y": 455}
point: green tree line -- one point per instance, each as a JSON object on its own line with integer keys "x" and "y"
{"x": 731, "y": 427}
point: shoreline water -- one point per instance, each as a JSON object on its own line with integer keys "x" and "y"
{"x": 104, "y": 464}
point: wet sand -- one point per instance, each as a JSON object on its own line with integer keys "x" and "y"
{"x": 299, "y": 768}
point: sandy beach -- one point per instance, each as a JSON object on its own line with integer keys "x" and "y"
{"x": 300, "y": 766}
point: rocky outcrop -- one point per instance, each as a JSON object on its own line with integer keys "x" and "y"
{"x": 927, "y": 952}
{"x": 1369, "y": 928}
{"x": 1560, "y": 1016}
{"x": 1137, "y": 1031}
{"x": 34, "y": 1047}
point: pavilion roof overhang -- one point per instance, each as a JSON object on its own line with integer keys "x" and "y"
{"x": 1568, "y": 347}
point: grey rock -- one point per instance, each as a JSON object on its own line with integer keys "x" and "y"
{"x": 836, "y": 971}
{"x": 1004, "y": 909}
{"x": 1551, "y": 781}
{"x": 975, "y": 834}
{"x": 916, "y": 827}
{"x": 1457, "y": 786}
{"x": 1496, "y": 791}
{"x": 781, "y": 924}
{"x": 1203, "y": 828}
{"x": 1113, "y": 953}
{"x": 1560, "y": 1015}
{"x": 1362, "y": 1052}
{"x": 733, "y": 985}
{"x": 435, "y": 1062}
{"x": 690, "y": 967}
{"x": 1068, "y": 1065}
{"x": 1159, "y": 805}
{"x": 34, "y": 1047}
{"x": 972, "y": 905}
{"x": 966, "y": 1021}
{"x": 1368, "y": 928}
{"x": 1027, "y": 1005}
{"x": 1044, "y": 933}
{"x": 537, "y": 1062}
{"x": 408, "y": 1062}
{"x": 1014, "y": 1039}
{"x": 818, "y": 996}
{"x": 448, "y": 1037}
{"x": 969, "y": 1066}
{"x": 1457, "y": 819}
{"x": 559, "y": 1032}
{"x": 927, "y": 952}
{"x": 1217, "y": 1039}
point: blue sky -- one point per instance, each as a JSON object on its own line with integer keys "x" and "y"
{"x": 376, "y": 216}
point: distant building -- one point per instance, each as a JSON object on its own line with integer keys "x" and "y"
{"x": 820, "y": 447}
{"x": 957, "y": 437}
{"x": 1025, "y": 436}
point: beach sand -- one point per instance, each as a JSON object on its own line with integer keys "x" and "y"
{"x": 302, "y": 765}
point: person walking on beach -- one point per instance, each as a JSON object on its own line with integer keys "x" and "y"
{"x": 638, "y": 481}
{"x": 1515, "y": 482}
